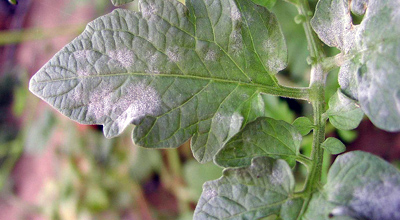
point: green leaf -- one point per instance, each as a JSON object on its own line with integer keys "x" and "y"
{"x": 260, "y": 190}
{"x": 360, "y": 186}
{"x": 333, "y": 145}
{"x": 370, "y": 51}
{"x": 120, "y": 2}
{"x": 344, "y": 113}
{"x": 263, "y": 137}
{"x": 173, "y": 71}
{"x": 303, "y": 125}
{"x": 266, "y": 3}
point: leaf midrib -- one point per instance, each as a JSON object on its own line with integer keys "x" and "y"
{"x": 201, "y": 78}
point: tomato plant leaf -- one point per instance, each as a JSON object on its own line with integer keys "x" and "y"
{"x": 333, "y": 145}
{"x": 303, "y": 125}
{"x": 173, "y": 71}
{"x": 120, "y": 2}
{"x": 344, "y": 112}
{"x": 369, "y": 73}
{"x": 266, "y": 3}
{"x": 263, "y": 137}
{"x": 257, "y": 191}
{"x": 359, "y": 186}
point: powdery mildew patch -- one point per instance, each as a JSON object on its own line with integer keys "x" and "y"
{"x": 173, "y": 54}
{"x": 211, "y": 55}
{"x": 235, "y": 13}
{"x": 236, "y": 42}
{"x": 136, "y": 101}
{"x": 124, "y": 56}
{"x": 139, "y": 100}
{"x": 148, "y": 10}
{"x": 377, "y": 202}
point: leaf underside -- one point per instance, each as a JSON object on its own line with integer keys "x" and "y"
{"x": 359, "y": 186}
{"x": 263, "y": 137}
{"x": 174, "y": 71}
{"x": 370, "y": 73}
{"x": 261, "y": 190}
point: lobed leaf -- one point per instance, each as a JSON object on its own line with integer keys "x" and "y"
{"x": 369, "y": 73}
{"x": 263, "y": 137}
{"x": 360, "y": 186}
{"x": 260, "y": 190}
{"x": 174, "y": 71}
{"x": 344, "y": 113}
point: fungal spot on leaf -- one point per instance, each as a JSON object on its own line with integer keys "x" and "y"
{"x": 235, "y": 13}
{"x": 100, "y": 103}
{"x": 148, "y": 10}
{"x": 236, "y": 44}
{"x": 211, "y": 56}
{"x": 210, "y": 193}
{"x": 277, "y": 177}
{"x": 124, "y": 57}
{"x": 137, "y": 101}
{"x": 173, "y": 54}
{"x": 80, "y": 54}
{"x": 377, "y": 201}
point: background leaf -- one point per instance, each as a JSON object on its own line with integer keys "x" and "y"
{"x": 343, "y": 112}
{"x": 261, "y": 190}
{"x": 174, "y": 71}
{"x": 360, "y": 186}
{"x": 369, "y": 73}
{"x": 263, "y": 137}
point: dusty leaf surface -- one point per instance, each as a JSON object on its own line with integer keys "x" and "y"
{"x": 174, "y": 71}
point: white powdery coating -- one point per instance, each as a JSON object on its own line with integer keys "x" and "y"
{"x": 277, "y": 176}
{"x": 236, "y": 44}
{"x": 149, "y": 10}
{"x": 235, "y": 13}
{"x": 211, "y": 56}
{"x": 235, "y": 124}
{"x": 173, "y": 54}
{"x": 345, "y": 158}
{"x": 83, "y": 72}
{"x": 209, "y": 194}
{"x": 81, "y": 54}
{"x": 377, "y": 202}
{"x": 152, "y": 63}
{"x": 275, "y": 65}
{"x": 123, "y": 56}
{"x": 139, "y": 100}
{"x": 100, "y": 103}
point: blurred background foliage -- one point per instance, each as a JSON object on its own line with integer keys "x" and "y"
{"x": 54, "y": 168}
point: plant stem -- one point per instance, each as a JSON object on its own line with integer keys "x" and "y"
{"x": 317, "y": 98}
{"x": 175, "y": 167}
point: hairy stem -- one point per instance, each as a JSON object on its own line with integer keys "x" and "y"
{"x": 317, "y": 98}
